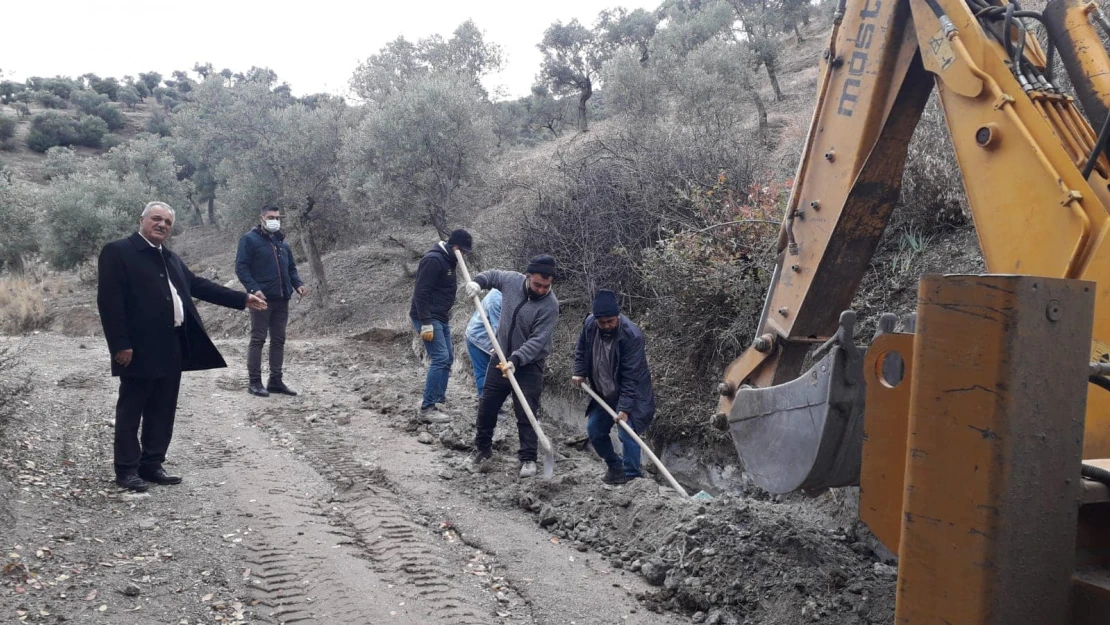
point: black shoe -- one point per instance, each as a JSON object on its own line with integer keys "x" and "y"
{"x": 255, "y": 388}
{"x": 277, "y": 386}
{"x": 132, "y": 482}
{"x": 159, "y": 476}
{"x": 615, "y": 476}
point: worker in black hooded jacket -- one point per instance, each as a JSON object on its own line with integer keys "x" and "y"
{"x": 432, "y": 300}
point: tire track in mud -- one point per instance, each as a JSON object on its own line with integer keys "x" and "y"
{"x": 396, "y": 543}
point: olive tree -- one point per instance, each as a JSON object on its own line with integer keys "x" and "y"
{"x": 415, "y": 154}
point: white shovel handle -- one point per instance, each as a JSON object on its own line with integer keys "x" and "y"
{"x": 667, "y": 474}
{"x": 544, "y": 442}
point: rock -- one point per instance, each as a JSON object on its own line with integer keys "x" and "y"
{"x": 132, "y": 590}
{"x": 447, "y": 474}
{"x": 698, "y": 617}
{"x": 581, "y": 546}
{"x": 547, "y": 516}
{"x": 425, "y": 438}
{"x": 654, "y": 572}
{"x": 312, "y": 418}
{"x": 343, "y": 419}
{"x": 885, "y": 570}
{"x": 147, "y": 524}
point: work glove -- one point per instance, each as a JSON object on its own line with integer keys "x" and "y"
{"x": 473, "y": 288}
{"x": 506, "y": 368}
{"x": 427, "y": 332}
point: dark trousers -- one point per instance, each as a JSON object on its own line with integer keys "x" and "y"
{"x": 497, "y": 388}
{"x": 272, "y": 321}
{"x": 151, "y": 403}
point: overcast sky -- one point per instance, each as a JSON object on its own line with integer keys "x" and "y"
{"x": 313, "y": 45}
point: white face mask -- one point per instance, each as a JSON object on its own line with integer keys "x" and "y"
{"x": 273, "y": 225}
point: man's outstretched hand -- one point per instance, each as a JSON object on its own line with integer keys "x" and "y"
{"x": 255, "y": 302}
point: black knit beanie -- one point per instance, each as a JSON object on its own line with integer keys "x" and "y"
{"x": 605, "y": 304}
{"x": 542, "y": 264}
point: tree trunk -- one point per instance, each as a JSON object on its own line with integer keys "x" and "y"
{"x": 587, "y": 91}
{"x": 760, "y": 108}
{"x": 308, "y": 245}
{"x": 212, "y": 211}
{"x": 438, "y": 217}
{"x": 774, "y": 80}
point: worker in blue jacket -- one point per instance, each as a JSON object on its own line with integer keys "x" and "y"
{"x": 264, "y": 265}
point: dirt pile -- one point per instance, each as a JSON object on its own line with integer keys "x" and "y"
{"x": 732, "y": 559}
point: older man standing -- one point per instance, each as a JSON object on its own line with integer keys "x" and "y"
{"x": 610, "y": 354}
{"x": 145, "y": 299}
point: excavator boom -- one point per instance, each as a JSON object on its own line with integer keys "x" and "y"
{"x": 1034, "y": 171}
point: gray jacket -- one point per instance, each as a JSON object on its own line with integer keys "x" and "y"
{"x": 527, "y": 325}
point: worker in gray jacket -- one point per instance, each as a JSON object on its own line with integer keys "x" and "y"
{"x": 529, "y": 312}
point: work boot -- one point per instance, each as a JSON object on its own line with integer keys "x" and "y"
{"x": 256, "y": 388}
{"x": 528, "y": 469}
{"x": 275, "y": 385}
{"x": 477, "y": 461}
{"x": 432, "y": 414}
{"x": 615, "y": 476}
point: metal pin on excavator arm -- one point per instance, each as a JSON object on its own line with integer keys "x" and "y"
{"x": 1022, "y": 147}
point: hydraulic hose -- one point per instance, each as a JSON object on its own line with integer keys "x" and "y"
{"x": 1100, "y": 381}
{"x": 1097, "y": 474}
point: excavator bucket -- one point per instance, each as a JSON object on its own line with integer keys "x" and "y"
{"x": 806, "y": 434}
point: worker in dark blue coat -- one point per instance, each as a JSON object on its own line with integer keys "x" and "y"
{"x": 610, "y": 355}
{"x": 264, "y": 265}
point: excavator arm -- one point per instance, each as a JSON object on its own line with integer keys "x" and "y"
{"x": 1034, "y": 170}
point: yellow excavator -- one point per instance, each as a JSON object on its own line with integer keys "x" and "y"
{"x": 978, "y": 433}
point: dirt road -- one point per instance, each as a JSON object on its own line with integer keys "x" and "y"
{"x": 308, "y": 509}
{"x": 338, "y": 507}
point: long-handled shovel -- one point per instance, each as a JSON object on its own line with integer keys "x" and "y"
{"x": 627, "y": 428}
{"x": 545, "y": 444}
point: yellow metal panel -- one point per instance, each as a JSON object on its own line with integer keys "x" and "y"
{"x": 995, "y": 438}
{"x": 886, "y": 427}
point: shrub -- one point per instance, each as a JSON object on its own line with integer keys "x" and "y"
{"x": 86, "y": 210}
{"x": 159, "y": 124}
{"x": 129, "y": 96}
{"x": 51, "y": 129}
{"x": 8, "y": 91}
{"x": 22, "y": 306}
{"x": 17, "y": 224}
{"x": 90, "y": 131}
{"x": 7, "y": 129}
{"x": 61, "y": 161}
{"x": 48, "y": 100}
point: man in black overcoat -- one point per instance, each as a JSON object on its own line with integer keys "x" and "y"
{"x": 145, "y": 298}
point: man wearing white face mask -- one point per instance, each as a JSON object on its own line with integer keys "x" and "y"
{"x": 265, "y": 266}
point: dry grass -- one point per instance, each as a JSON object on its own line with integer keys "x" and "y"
{"x": 23, "y": 306}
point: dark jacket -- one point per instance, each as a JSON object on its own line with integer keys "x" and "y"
{"x": 435, "y": 290}
{"x": 632, "y": 374}
{"x": 265, "y": 262}
{"x": 136, "y": 310}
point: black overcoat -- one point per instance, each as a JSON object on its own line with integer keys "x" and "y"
{"x": 136, "y": 310}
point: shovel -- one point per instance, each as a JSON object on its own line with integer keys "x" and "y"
{"x": 627, "y": 428}
{"x": 545, "y": 444}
